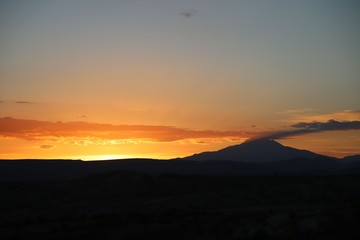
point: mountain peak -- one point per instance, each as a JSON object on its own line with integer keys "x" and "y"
{"x": 257, "y": 145}
{"x": 260, "y": 150}
{"x": 262, "y": 142}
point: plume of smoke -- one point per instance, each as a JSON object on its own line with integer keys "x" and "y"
{"x": 302, "y": 128}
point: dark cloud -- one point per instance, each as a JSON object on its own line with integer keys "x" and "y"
{"x": 17, "y": 102}
{"x": 24, "y": 102}
{"x": 302, "y": 128}
{"x": 188, "y": 13}
{"x": 46, "y": 146}
{"x": 328, "y": 126}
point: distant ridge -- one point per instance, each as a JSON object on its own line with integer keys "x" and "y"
{"x": 252, "y": 158}
{"x": 352, "y": 158}
{"x": 262, "y": 150}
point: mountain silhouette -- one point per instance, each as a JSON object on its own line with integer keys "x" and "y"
{"x": 251, "y": 158}
{"x": 263, "y": 150}
{"x": 352, "y": 158}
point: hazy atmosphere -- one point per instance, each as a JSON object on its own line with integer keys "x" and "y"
{"x": 162, "y": 79}
{"x": 179, "y": 119}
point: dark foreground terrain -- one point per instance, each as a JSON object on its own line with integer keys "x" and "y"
{"x": 127, "y": 205}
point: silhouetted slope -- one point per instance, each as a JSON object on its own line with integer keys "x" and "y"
{"x": 254, "y": 151}
{"x": 39, "y": 170}
{"x": 352, "y": 158}
{"x": 261, "y": 157}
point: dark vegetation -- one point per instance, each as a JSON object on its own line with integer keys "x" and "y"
{"x": 255, "y": 190}
{"x": 129, "y": 205}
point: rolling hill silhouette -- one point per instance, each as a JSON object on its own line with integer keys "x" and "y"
{"x": 254, "y": 151}
{"x": 252, "y": 158}
{"x": 352, "y": 158}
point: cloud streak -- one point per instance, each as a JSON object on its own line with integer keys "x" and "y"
{"x": 18, "y": 102}
{"x": 86, "y": 133}
{"x": 306, "y": 115}
{"x": 45, "y": 146}
{"x": 24, "y": 102}
{"x": 188, "y": 13}
{"x": 302, "y": 128}
{"x": 328, "y": 126}
{"x": 37, "y": 130}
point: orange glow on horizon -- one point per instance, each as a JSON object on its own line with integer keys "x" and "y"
{"x": 104, "y": 157}
{"x": 143, "y": 79}
{"x": 24, "y": 139}
{"x": 21, "y": 138}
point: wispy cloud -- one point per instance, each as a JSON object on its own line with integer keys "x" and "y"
{"x": 24, "y": 102}
{"x": 302, "y": 128}
{"x": 35, "y": 130}
{"x": 188, "y": 13}
{"x": 18, "y": 102}
{"x": 87, "y": 133}
{"x": 328, "y": 126}
{"x": 45, "y": 146}
{"x": 308, "y": 115}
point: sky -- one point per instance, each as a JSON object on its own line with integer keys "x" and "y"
{"x": 86, "y": 79}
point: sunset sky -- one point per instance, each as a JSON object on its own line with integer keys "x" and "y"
{"x": 86, "y": 79}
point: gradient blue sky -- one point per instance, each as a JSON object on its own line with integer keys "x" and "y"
{"x": 203, "y": 65}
